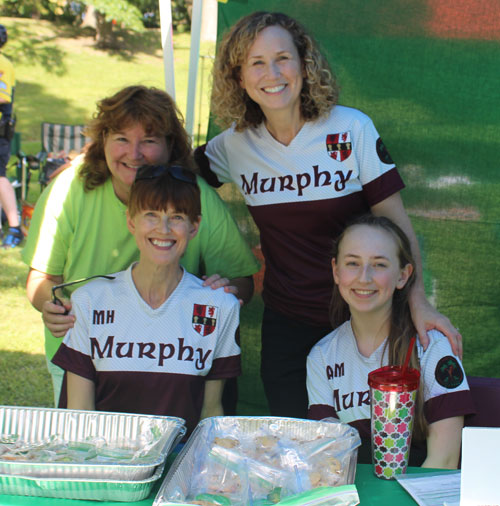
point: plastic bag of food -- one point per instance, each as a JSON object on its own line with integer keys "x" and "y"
{"x": 346, "y": 495}
{"x": 331, "y": 460}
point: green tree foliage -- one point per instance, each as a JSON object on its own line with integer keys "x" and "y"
{"x": 24, "y": 8}
{"x": 114, "y": 15}
{"x": 119, "y": 12}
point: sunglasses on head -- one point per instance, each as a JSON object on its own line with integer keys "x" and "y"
{"x": 176, "y": 171}
{"x": 58, "y": 301}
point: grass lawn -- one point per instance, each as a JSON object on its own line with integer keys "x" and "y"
{"x": 447, "y": 159}
{"x": 60, "y": 76}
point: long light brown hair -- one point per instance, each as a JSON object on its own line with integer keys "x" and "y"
{"x": 402, "y": 328}
{"x": 152, "y": 108}
{"x": 231, "y": 103}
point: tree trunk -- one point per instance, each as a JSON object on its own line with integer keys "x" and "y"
{"x": 104, "y": 30}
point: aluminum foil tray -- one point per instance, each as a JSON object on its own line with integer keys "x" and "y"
{"x": 37, "y": 425}
{"x": 91, "y": 490}
{"x": 176, "y": 485}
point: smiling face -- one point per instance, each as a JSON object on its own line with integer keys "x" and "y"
{"x": 126, "y": 150}
{"x": 272, "y": 73}
{"x": 367, "y": 270}
{"x": 162, "y": 236}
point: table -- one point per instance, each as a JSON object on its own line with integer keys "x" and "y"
{"x": 372, "y": 492}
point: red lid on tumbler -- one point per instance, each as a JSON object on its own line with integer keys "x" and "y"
{"x": 391, "y": 379}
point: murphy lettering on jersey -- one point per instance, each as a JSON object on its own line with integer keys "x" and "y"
{"x": 296, "y": 183}
{"x": 159, "y": 352}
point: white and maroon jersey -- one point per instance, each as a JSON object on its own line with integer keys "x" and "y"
{"x": 301, "y": 197}
{"x": 337, "y": 379}
{"x": 154, "y": 361}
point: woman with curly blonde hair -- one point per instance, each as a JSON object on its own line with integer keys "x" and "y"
{"x": 305, "y": 167}
{"x": 230, "y": 102}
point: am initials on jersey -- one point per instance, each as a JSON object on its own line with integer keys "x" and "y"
{"x": 204, "y": 318}
{"x": 339, "y": 146}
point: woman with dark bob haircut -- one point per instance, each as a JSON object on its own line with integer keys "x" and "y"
{"x": 79, "y": 226}
{"x": 305, "y": 167}
{"x": 190, "y": 332}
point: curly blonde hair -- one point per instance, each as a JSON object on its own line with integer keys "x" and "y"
{"x": 231, "y": 103}
{"x": 152, "y": 108}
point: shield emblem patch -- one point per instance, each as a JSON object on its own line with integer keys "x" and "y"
{"x": 204, "y": 319}
{"x": 339, "y": 146}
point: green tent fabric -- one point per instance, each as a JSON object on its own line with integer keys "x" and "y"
{"x": 428, "y": 73}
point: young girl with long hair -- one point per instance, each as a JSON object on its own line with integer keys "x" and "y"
{"x": 373, "y": 271}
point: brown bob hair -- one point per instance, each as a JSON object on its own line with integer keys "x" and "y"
{"x": 231, "y": 103}
{"x": 161, "y": 192}
{"x": 152, "y": 108}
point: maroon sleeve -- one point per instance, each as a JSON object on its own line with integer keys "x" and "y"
{"x": 225, "y": 367}
{"x": 449, "y": 405}
{"x": 204, "y": 165}
{"x": 382, "y": 187}
{"x": 320, "y": 411}
{"x": 74, "y": 361}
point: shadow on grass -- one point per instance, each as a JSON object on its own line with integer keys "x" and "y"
{"x": 14, "y": 276}
{"x": 50, "y": 108}
{"x": 25, "y": 380}
{"x": 31, "y": 48}
{"x": 28, "y": 44}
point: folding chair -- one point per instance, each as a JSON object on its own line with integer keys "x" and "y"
{"x": 60, "y": 144}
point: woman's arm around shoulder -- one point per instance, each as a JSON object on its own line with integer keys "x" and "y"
{"x": 39, "y": 291}
{"x": 424, "y": 315}
{"x": 223, "y": 248}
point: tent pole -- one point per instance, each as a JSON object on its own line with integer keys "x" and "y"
{"x": 167, "y": 44}
{"x": 194, "y": 56}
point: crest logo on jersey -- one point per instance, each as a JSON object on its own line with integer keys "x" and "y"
{"x": 448, "y": 373}
{"x": 204, "y": 319}
{"x": 339, "y": 146}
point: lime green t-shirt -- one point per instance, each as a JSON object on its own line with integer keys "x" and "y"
{"x": 78, "y": 234}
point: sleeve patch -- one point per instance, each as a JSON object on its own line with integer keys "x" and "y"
{"x": 448, "y": 373}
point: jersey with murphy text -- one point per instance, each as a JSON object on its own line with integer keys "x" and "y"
{"x": 337, "y": 379}
{"x": 301, "y": 197}
{"x": 147, "y": 360}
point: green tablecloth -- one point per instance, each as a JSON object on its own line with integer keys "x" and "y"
{"x": 372, "y": 492}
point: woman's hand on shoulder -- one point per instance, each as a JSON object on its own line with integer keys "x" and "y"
{"x": 426, "y": 317}
{"x": 55, "y": 317}
{"x": 241, "y": 288}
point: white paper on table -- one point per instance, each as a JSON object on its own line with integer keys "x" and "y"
{"x": 433, "y": 488}
{"x": 480, "y": 468}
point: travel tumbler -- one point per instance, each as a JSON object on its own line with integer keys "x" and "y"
{"x": 392, "y": 394}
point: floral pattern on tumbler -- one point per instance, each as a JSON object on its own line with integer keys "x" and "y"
{"x": 391, "y": 426}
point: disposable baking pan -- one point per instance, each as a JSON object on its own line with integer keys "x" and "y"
{"x": 92, "y": 490}
{"x": 38, "y": 425}
{"x": 176, "y": 485}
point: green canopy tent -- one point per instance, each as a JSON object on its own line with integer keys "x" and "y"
{"x": 428, "y": 73}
